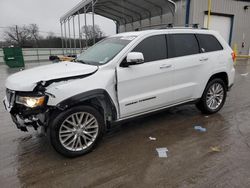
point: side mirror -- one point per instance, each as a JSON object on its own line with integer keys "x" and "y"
{"x": 133, "y": 58}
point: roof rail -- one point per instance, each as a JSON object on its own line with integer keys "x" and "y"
{"x": 193, "y": 26}
{"x": 170, "y": 26}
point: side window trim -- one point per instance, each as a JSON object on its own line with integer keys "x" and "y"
{"x": 200, "y": 50}
{"x": 166, "y": 40}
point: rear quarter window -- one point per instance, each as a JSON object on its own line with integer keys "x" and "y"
{"x": 208, "y": 43}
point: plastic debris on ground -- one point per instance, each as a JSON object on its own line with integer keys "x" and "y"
{"x": 215, "y": 148}
{"x": 152, "y": 138}
{"x": 206, "y": 116}
{"x": 162, "y": 152}
{"x": 200, "y": 128}
{"x": 246, "y": 74}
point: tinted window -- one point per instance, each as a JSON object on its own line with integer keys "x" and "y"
{"x": 153, "y": 48}
{"x": 208, "y": 43}
{"x": 182, "y": 45}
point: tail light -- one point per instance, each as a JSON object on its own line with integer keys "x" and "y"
{"x": 233, "y": 56}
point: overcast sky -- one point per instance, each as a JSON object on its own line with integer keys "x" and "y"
{"x": 44, "y": 13}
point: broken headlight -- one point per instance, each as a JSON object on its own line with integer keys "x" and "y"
{"x": 31, "y": 102}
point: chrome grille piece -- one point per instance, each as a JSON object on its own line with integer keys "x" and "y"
{"x": 10, "y": 97}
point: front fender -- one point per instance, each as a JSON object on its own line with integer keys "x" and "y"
{"x": 99, "y": 94}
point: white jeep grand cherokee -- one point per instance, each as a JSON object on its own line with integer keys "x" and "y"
{"x": 124, "y": 76}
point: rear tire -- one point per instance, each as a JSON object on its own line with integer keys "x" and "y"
{"x": 213, "y": 98}
{"x": 76, "y": 131}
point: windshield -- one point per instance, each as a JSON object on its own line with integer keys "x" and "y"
{"x": 104, "y": 51}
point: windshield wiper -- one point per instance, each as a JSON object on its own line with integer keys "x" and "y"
{"x": 80, "y": 61}
{"x": 83, "y": 62}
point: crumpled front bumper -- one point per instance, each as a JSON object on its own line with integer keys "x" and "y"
{"x": 32, "y": 120}
{"x": 6, "y": 104}
{"x": 20, "y": 124}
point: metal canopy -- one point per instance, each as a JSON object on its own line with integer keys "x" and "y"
{"x": 124, "y": 11}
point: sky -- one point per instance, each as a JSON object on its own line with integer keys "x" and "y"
{"x": 45, "y": 13}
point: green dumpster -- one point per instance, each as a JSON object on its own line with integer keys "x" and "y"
{"x": 13, "y": 57}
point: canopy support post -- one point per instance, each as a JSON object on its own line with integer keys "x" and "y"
{"x": 85, "y": 29}
{"x": 62, "y": 38}
{"x": 66, "y": 41}
{"x": 74, "y": 34}
{"x": 93, "y": 20}
{"x": 117, "y": 27}
{"x": 69, "y": 37}
{"x": 80, "y": 36}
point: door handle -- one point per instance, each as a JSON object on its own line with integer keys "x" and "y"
{"x": 204, "y": 59}
{"x": 165, "y": 66}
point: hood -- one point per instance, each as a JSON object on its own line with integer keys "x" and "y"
{"x": 27, "y": 80}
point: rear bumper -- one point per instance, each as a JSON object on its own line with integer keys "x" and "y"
{"x": 231, "y": 78}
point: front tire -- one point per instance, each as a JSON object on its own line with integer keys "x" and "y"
{"x": 214, "y": 97}
{"x": 76, "y": 131}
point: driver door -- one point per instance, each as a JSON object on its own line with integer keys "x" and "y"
{"x": 148, "y": 86}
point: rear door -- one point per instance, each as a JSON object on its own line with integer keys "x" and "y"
{"x": 190, "y": 65}
{"x": 215, "y": 54}
{"x": 146, "y": 86}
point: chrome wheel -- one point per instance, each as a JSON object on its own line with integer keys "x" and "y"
{"x": 215, "y": 96}
{"x": 78, "y": 131}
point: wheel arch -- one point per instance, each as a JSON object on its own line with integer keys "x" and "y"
{"x": 98, "y": 98}
{"x": 221, "y": 75}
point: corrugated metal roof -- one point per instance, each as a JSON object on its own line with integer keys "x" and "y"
{"x": 124, "y": 11}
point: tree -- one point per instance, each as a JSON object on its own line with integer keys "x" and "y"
{"x": 22, "y": 35}
{"x": 33, "y": 32}
{"x": 16, "y": 35}
{"x": 90, "y": 33}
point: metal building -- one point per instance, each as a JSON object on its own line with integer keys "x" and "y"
{"x": 230, "y": 17}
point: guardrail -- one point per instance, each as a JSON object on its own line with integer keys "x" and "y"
{"x": 36, "y": 55}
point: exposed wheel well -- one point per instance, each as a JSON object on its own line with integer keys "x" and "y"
{"x": 98, "y": 98}
{"x": 98, "y": 103}
{"x": 95, "y": 103}
{"x": 101, "y": 104}
{"x": 221, "y": 75}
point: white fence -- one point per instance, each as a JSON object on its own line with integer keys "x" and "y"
{"x": 33, "y": 55}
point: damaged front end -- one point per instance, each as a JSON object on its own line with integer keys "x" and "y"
{"x": 27, "y": 109}
{"x": 27, "y": 97}
{"x": 30, "y": 109}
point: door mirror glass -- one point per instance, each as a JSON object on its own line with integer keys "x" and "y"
{"x": 134, "y": 58}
